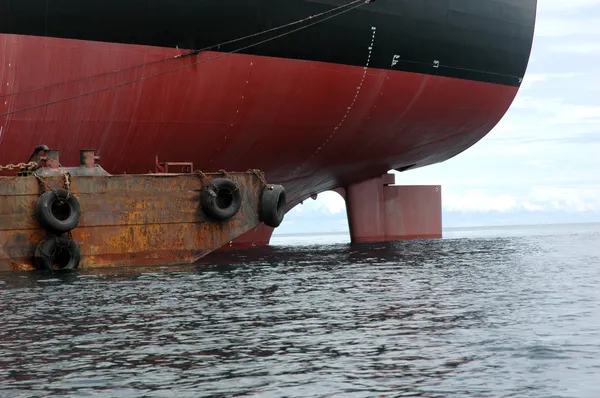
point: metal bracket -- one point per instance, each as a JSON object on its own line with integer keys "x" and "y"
{"x": 184, "y": 167}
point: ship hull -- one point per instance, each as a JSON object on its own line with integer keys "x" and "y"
{"x": 311, "y": 120}
{"x": 486, "y": 40}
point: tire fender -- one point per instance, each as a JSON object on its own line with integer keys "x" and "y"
{"x": 221, "y": 199}
{"x": 273, "y": 205}
{"x": 57, "y": 254}
{"x": 57, "y": 211}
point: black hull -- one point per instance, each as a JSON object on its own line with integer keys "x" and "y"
{"x": 482, "y": 40}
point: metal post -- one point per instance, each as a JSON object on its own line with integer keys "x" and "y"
{"x": 87, "y": 158}
{"x": 41, "y": 158}
{"x": 53, "y": 159}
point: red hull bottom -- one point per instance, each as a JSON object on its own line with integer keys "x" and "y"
{"x": 377, "y": 211}
{"x": 256, "y": 237}
{"x": 310, "y": 126}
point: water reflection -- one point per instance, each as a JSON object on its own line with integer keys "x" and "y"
{"x": 442, "y": 318}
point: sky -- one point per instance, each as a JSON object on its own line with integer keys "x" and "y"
{"x": 541, "y": 163}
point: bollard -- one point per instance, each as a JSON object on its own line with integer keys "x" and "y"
{"x": 53, "y": 159}
{"x": 88, "y": 158}
{"x": 41, "y": 159}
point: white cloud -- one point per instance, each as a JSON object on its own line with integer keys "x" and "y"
{"x": 555, "y": 27}
{"x": 570, "y": 6}
{"x": 580, "y": 199}
{"x": 577, "y": 48}
{"x": 537, "y": 198}
{"x": 478, "y": 200}
{"x": 532, "y": 78}
{"x": 555, "y": 111}
{"x": 565, "y": 18}
{"x": 327, "y": 202}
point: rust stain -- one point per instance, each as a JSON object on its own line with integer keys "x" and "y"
{"x": 126, "y": 219}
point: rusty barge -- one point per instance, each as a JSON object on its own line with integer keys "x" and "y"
{"x": 64, "y": 218}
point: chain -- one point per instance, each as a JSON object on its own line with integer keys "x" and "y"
{"x": 10, "y": 167}
{"x": 67, "y": 180}
{"x": 70, "y": 235}
{"x": 67, "y": 183}
{"x": 203, "y": 177}
{"x": 43, "y": 184}
{"x": 260, "y": 175}
{"x": 45, "y": 187}
{"x": 56, "y": 247}
{"x": 226, "y": 174}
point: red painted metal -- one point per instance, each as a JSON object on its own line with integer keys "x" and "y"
{"x": 167, "y": 167}
{"x": 256, "y": 237}
{"x": 378, "y": 212}
{"x": 53, "y": 159}
{"x": 311, "y": 126}
{"x": 88, "y": 158}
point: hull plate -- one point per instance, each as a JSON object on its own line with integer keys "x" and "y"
{"x": 311, "y": 126}
{"x": 126, "y": 220}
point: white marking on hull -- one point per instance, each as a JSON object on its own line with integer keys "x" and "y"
{"x": 349, "y": 109}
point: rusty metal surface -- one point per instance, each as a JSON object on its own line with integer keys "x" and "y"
{"x": 379, "y": 211}
{"x": 126, "y": 219}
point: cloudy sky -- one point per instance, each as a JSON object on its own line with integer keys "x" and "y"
{"x": 541, "y": 164}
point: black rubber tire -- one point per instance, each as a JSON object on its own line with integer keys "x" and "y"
{"x": 57, "y": 254}
{"x": 273, "y": 205}
{"x": 47, "y": 216}
{"x": 221, "y": 199}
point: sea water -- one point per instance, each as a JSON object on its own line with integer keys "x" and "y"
{"x": 488, "y": 312}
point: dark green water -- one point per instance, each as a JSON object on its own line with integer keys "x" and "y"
{"x": 500, "y": 314}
